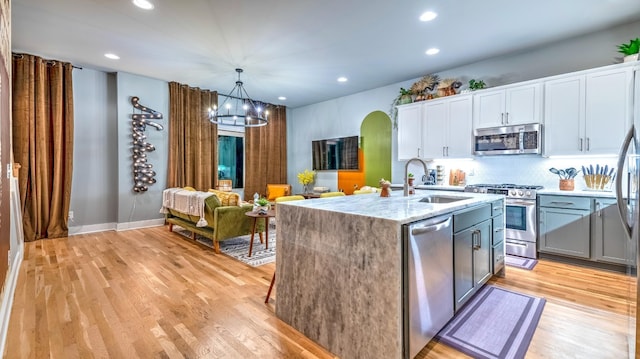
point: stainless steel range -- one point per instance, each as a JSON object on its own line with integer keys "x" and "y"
{"x": 520, "y": 216}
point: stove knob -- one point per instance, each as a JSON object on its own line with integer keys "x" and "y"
{"x": 513, "y": 193}
{"x": 528, "y": 193}
{"x": 520, "y": 193}
{"x": 475, "y": 190}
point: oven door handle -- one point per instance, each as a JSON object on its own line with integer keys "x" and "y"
{"x": 517, "y": 243}
{"x": 519, "y": 203}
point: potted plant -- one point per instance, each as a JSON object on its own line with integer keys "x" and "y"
{"x": 476, "y": 84}
{"x": 404, "y": 97}
{"x": 262, "y": 204}
{"x": 306, "y": 178}
{"x": 630, "y": 50}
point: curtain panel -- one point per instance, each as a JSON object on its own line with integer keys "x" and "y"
{"x": 42, "y": 130}
{"x": 266, "y": 153}
{"x": 193, "y": 139}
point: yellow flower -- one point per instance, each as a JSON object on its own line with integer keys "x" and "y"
{"x": 306, "y": 177}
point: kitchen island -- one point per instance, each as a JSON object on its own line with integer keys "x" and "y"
{"x": 340, "y": 267}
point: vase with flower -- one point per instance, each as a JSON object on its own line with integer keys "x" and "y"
{"x": 306, "y": 179}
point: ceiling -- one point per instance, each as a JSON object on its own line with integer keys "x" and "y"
{"x": 298, "y": 48}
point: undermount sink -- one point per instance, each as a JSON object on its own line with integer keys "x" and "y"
{"x": 442, "y": 199}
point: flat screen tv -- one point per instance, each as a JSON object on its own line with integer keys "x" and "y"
{"x": 335, "y": 154}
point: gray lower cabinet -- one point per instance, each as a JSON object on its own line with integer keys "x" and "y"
{"x": 610, "y": 241}
{"x": 472, "y": 252}
{"x": 583, "y": 227}
{"x": 564, "y": 223}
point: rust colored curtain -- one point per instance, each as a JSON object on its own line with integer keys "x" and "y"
{"x": 193, "y": 139}
{"x": 43, "y": 143}
{"x": 266, "y": 153}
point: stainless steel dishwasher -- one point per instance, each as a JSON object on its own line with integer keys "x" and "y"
{"x": 427, "y": 281}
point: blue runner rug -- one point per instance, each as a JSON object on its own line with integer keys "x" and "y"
{"x": 495, "y": 323}
{"x": 519, "y": 262}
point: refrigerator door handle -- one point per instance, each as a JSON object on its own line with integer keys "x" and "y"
{"x": 622, "y": 208}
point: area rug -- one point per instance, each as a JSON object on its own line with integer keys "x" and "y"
{"x": 495, "y": 323}
{"x": 519, "y": 262}
{"x": 238, "y": 247}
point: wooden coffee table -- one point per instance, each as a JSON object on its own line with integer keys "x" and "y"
{"x": 255, "y": 215}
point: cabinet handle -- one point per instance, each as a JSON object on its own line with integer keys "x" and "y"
{"x": 443, "y": 155}
{"x": 418, "y": 151}
{"x": 588, "y": 144}
{"x": 507, "y": 118}
{"x": 565, "y": 203}
{"x": 498, "y": 230}
{"x": 502, "y": 118}
{"x": 447, "y": 147}
{"x": 479, "y": 239}
{"x": 581, "y": 140}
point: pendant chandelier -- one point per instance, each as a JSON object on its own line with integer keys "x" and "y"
{"x": 238, "y": 109}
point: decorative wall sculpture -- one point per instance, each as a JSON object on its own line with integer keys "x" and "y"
{"x": 143, "y": 173}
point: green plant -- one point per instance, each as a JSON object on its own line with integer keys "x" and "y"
{"x": 476, "y": 84}
{"x": 633, "y": 47}
{"x": 262, "y": 201}
{"x": 410, "y": 175}
{"x": 405, "y": 92}
{"x": 400, "y": 99}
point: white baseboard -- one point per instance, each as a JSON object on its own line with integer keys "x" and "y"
{"x": 140, "y": 224}
{"x": 7, "y": 296}
{"x": 92, "y": 228}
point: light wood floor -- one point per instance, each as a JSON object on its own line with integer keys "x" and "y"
{"x": 153, "y": 294}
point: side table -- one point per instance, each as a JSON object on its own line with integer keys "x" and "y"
{"x": 255, "y": 215}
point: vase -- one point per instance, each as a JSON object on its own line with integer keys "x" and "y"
{"x": 305, "y": 188}
{"x": 630, "y": 58}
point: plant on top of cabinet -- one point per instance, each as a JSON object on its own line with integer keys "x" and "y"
{"x": 403, "y": 98}
{"x": 425, "y": 86}
{"x": 476, "y": 84}
{"x": 630, "y": 50}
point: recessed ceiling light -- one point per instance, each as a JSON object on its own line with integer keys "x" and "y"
{"x": 432, "y": 51}
{"x": 342, "y": 79}
{"x": 428, "y": 16}
{"x": 282, "y": 98}
{"x": 112, "y": 56}
{"x": 143, "y": 4}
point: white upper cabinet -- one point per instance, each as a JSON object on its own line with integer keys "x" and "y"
{"x": 587, "y": 113}
{"x": 514, "y": 105}
{"x": 410, "y": 131}
{"x": 447, "y": 130}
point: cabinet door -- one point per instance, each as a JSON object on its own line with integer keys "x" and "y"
{"x": 482, "y": 254}
{"x": 435, "y": 129}
{"x": 463, "y": 266}
{"x": 565, "y": 231}
{"x": 409, "y": 131}
{"x": 564, "y": 105}
{"x": 610, "y": 239}
{"x": 608, "y": 109}
{"x": 523, "y": 104}
{"x": 488, "y": 109}
{"x": 460, "y": 127}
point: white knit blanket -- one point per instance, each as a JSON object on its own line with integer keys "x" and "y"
{"x": 189, "y": 202}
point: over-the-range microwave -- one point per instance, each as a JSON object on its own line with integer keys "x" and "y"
{"x": 508, "y": 140}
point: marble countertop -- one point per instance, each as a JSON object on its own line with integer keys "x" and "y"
{"x": 398, "y": 186}
{"x": 397, "y": 207}
{"x": 578, "y": 193}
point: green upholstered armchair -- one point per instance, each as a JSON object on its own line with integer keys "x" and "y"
{"x": 223, "y": 222}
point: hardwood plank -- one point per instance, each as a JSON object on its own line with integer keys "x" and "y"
{"x": 150, "y": 293}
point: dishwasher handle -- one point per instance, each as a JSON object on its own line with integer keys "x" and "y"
{"x": 431, "y": 227}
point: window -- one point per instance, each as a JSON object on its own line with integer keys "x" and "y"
{"x": 231, "y": 157}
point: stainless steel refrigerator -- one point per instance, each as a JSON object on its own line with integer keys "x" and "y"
{"x": 627, "y": 186}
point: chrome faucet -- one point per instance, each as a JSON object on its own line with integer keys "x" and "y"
{"x": 406, "y": 171}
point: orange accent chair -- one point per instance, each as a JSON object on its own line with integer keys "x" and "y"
{"x": 277, "y": 190}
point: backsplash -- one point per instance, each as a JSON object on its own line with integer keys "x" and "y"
{"x": 518, "y": 169}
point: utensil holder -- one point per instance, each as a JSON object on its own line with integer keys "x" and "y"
{"x": 567, "y": 184}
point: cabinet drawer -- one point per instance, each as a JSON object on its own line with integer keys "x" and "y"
{"x": 464, "y": 220}
{"x": 498, "y": 230}
{"x": 497, "y": 208}
{"x": 565, "y": 202}
{"x": 498, "y": 258}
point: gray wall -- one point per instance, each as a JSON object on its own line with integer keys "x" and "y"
{"x": 95, "y": 149}
{"x": 342, "y": 116}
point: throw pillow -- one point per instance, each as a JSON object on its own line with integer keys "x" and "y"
{"x": 189, "y": 188}
{"x": 275, "y": 192}
{"x": 227, "y": 198}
